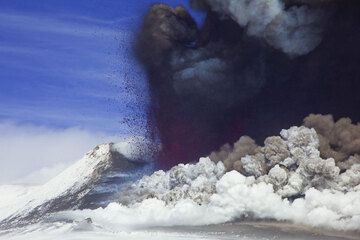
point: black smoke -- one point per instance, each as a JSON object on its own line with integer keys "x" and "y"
{"x": 211, "y": 84}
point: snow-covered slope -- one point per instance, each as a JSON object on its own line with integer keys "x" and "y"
{"x": 89, "y": 183}
{"x": 10, "y": 196}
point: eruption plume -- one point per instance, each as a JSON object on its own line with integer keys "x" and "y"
{"x": 240, "y": 74}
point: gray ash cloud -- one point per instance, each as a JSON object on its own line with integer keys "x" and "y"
{"x": 336, "y": 140}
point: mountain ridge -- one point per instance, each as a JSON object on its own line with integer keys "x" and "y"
{"x": 85, "y": 184}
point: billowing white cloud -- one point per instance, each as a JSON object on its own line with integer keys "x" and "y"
{"x": 33, "y": 154}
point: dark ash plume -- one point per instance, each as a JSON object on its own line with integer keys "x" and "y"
{"x": 163, "y": 30}
{"x": 227, "y": 79}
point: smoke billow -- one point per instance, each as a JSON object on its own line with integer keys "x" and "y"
{"x": 164, "y": 28}
{"x": 231, "y": 156}
{"x": 339, "y": 140}
{"x": 292, "y": 163}
{"x": 295, "y": 30}
{"x": 242, "y": 74}
{"x": 287, "y": 179}
{"x": 322, "y": 154}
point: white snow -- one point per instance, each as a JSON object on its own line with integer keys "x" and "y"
{"x": 71, "y": 231}
{"x": 69, "y": 181}
{"x": 10, "y": 196}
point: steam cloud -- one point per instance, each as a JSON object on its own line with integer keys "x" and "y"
{"x": 287, "y": 179}
{"x": 292, "y": 163}
{"x": 296, "y": 30}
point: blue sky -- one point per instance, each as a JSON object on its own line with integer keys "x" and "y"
{"x": 68, "y": 82}
{"x": 66, "y": 63}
